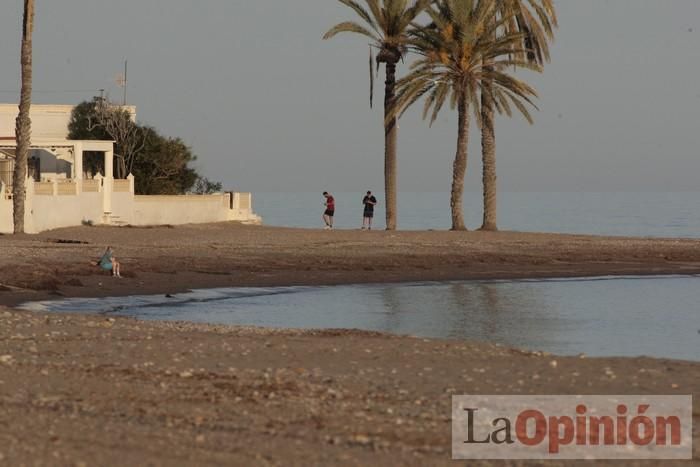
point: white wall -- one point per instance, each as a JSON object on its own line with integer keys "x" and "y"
{"x": 47, "y": 212}
{"x": 54, "y": 212}
{"x": 48, "y": 121}
{"x": 6, "y": 222}
{"x": 123, "y": 207}
{"x": 186, "y": 209}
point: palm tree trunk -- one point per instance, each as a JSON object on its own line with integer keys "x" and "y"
{"x": 488, "y": 154}
{"x": 459, "y": 168}
{"x": 390, "y": 143}
{"x": 24, "y": 124}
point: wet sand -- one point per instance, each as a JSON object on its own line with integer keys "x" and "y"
{"x": 90, "y": 390}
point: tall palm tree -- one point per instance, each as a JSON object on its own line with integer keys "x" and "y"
{"x": 453, "y": 49}
{"x": 24, "y": 124}
{"x": 387, "y": 24}
{"x": 536, "y": 20}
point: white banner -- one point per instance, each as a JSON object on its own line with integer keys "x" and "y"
{"x": 572, "y": 427}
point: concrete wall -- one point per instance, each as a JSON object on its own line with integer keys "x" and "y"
{"x": 54, "y": 212}
{"x": 48, "y": 121}
{"x": 193, "y": 209}
{"x": 188, "y": 209}
{"x": 53, "y": 205}
{"x": 123, "y": 207}
{"x": 6, "y": 222}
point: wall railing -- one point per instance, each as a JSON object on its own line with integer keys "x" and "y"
{"x": 43, "y": 188}
{"x": 91, "y": 186}
{"x": 121, "y": 186}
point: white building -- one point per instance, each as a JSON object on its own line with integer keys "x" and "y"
{"x": 60, "y": 193}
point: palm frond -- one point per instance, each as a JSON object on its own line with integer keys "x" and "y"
{"x": 362, "y": 13}
{"x": 371, "y": 78}
{"x": 350, "y": 26}
{"x": 464, "y": 52}
{"x": 537, "y": 19}
{"x": 387, "y": 23}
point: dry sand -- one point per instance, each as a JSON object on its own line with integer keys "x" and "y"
{"x": 87, "y": 390}
{"x": 161, "y": 260}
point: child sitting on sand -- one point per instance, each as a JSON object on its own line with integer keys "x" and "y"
{"x": 109, "y": 263}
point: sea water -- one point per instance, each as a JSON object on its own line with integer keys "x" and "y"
{"x": 605, "y": 316}
{"x": 628, "y": 214}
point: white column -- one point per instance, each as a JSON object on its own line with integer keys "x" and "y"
{"x": 78, "y": 166}
{"x": 109, "y": 164}
{"x": 78, "y": 161}
{"x": 108, "y": 187}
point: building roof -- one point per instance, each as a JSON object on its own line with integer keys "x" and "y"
{"x": 48, "y": 121}
{"x": 9, "y": 144}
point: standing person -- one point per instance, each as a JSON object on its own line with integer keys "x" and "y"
{"x": 330, "y": 210}
{"x": 370, "y": 202}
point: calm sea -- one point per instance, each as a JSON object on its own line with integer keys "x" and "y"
{"x": 626, "y": 316}
{"x": 634, "y": 214}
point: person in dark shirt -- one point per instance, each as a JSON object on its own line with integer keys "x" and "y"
{"x": 370, "y": 202}
{"x": 330, "y": 210}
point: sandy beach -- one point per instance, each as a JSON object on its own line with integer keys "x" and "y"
{"x": 171, "y": 259}
{"x": 91, "y": 390}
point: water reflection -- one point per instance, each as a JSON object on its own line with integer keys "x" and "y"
{"x": 391, "y": 296}
{"x": 460, "y": 310}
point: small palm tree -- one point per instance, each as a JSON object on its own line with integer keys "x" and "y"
{"x": 24, "y": 123}
{"x": 453, "y": 49}
{"x": 536, "y": 21}
{"x": 387, "y": 24}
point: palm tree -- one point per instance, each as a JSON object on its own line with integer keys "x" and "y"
{"x": 536, "y": 20}
{"x": 24, "y": 124}
{"x": 387, "y": 24}
{"x": 453, "y": 49}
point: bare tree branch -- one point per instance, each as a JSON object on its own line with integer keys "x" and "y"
{"x": 119, "y": 125}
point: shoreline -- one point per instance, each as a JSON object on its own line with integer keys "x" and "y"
{"x": 164, "y": 284}
{"x": 164, "y": 260}
{"x": 487, "y": 278}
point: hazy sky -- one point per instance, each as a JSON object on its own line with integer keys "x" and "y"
{"x": 268, "y": 106}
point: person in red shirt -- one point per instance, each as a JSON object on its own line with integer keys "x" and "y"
{"x": 330, "y": 210}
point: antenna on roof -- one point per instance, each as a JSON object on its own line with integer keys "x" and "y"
{"x": 123, "y": 80}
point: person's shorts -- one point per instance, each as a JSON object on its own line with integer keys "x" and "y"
{"x": 107, "y": 266}
{"x": 329, "y": 212}
{"x": 369, "y": 213}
